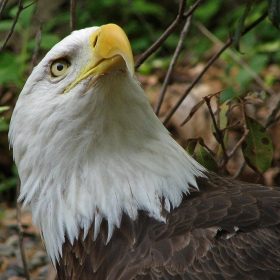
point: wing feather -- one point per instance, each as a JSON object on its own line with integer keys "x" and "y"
{"x": 227, "y": 230}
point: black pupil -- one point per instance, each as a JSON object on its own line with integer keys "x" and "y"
{"x": 59, "y": 67}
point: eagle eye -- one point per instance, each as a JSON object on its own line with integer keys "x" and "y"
{"x": 59, "y": 67}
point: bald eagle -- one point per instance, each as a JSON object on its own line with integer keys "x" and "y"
{"x": 113, "y": 195}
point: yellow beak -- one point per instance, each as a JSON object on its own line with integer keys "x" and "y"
{"x": 111, "y": 51}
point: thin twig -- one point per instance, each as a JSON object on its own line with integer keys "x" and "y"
{"x": 37, "y": 48}
{"x": 230, "y": 126}
{"x": 277, "y": 119}
{"x": 3, "y": 6}
{"x": 179, "y": 19}
{"x": 182, "y": 7}
{"x": 255, "y": 23}
{"x": 271, "y": 119}
{"x": 219, "y": 133}
{"x": 72, "y": 15}
{"x": 239, "y": 60}
{"x": 20, "y": 236}
{"x": 246, "y": 131}
{"x": 210, "y": 62}
{"x": 218, "y": 110}
{"x": 202, "y": 143}
{"x": 173, "y": 62}
{"x": 27, "y": 6}
{"x": 20, "y": 8}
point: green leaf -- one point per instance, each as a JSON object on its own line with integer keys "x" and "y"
{"x": 7, "y": 184}
{"x": 229, "y": 93}
{"x": 4, "y": 108}
{"x": 241, "y": 22}
{"x": 143, "y": 8}
{"x": 25, "y": 15}
{"x": 274, "y": 12}
{"x": 223, "y": 111}
{"x": 10, "y": 69}
{"x": 5, "y": 25}
{"x": 191, "y": 144}
{"x": 4, "y": 126}
{"x": 257, "y": 147}
{"x": 205, "y": 158}
{"x": 224, "y": 114}
{"x": 257, "y": 96}
{"x": 208, "y": 10}
{"x": 48, "y": 41}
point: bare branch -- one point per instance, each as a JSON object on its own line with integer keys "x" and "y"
{"x": 202, "y": 143}
{"x": 20, "y": 8}
{"x": 165, "y": 35}
{"x": 230, "y": 126}
{"x": 246, "y": 131}
{"x": 275, "y": 120}
{"x": 210, "y": 62}
{"x": 219, "y": 132}
{"x": 271, "y": 119}
{"x": 172, "y": 64}
{"x": 20, "y": 236}
{"x": 72, "y": 15}
{"x": 3, "y": 6}
{"x": 27, "y": 6}
{"x": 255, "y": 23}
{"x": 182, "y": 7}
{"x": 37, "y": 48}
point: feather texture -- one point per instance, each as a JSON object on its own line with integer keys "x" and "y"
{"x": 226, "y": 230}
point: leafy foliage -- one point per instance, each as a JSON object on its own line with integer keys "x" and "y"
{"x": 255, "y": 142}
{"x": 201, "y": 155}
{"x": 257, "y": 147}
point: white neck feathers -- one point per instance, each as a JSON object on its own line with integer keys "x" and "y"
{"x": 104, "y": 154}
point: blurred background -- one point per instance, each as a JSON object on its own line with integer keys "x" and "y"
{"x": 255, "y": 67}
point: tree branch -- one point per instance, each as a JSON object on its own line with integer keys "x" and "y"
{"x": 72, "y": 15}
{"x": 182, "y": 7}
{"x": 210, "y": 62}
{"x": 27, "y": 6}
{"x": 20, "y": 8}
{"x": 172, "y": 64}
{"x": 219, "y": 132}
{"x": 246, "y": 131}
{"x": 179, "y": 19}
{"x": 3, "y": 6}
{"x": 271, "y": 119}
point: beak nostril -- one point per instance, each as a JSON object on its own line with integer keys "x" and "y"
{"x": 95, "y": 41}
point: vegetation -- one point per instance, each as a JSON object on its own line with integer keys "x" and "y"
{"x": 250, "y": 64}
